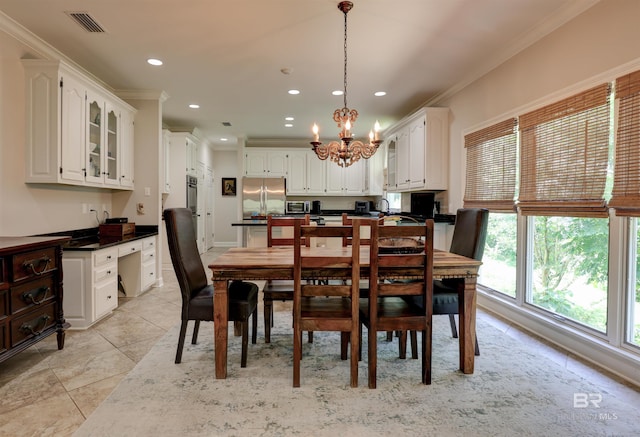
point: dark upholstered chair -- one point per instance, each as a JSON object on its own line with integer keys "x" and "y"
{"x": 197, "y": 295}
{"x": 469, "y": 236}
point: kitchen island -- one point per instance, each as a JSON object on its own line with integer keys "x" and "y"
{"x": 254, "y": 230}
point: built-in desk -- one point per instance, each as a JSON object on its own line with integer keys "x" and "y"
{"x": 96, "y": 268}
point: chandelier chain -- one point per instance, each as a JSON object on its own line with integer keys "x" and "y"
{"x": 345, "y": 59}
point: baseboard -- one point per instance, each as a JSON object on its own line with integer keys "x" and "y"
{"x": 595, "y": 350}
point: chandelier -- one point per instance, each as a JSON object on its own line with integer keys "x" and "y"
{"x": 346, "y": 151}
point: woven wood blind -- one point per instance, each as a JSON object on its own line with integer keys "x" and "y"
{"x": 491, "y": 167}
{"x": 626, "y": 182}
{"x": 564, "y": 153}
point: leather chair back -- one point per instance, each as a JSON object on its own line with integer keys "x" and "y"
{"x": 183, "y": 247}
{"x": 470, "y": 232}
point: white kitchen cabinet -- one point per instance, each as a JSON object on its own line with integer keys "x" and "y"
{"x": 90, "y": 285}
{"x": 74, "y": 131}
{"x": 126, "y": 149}
{"x": 348, "y": 181}
{"x": 417, "y": 152}
{"x": 166, "y": 161}
{"x": 192, "y": 150}
{"x": 265, "y": 163}
{"x": 306, "y": 173}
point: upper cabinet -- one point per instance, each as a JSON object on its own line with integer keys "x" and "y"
{"x": 265, "y": 163}
{"x": 306, "y": 173}
{"x": 417, "y": 152}
{"x": 77, "y": 132}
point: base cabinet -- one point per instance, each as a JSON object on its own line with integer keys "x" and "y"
{"x": 92, "y": 278}
{"x": 92, "y": 285}
{"x": 31, "y": 293}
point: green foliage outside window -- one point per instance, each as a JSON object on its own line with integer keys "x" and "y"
{"x": 571, "y": 268}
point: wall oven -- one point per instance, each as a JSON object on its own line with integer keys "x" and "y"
{"x": 192, "y": 198}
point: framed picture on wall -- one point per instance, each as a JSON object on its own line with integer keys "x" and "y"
{"x": 228, "y": 186}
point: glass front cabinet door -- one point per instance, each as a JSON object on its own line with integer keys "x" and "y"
{"x": 112, "y": 147}
{"x": 95, "y": 139}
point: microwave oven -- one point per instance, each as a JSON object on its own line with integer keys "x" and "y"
{"x": 297, "y": 207}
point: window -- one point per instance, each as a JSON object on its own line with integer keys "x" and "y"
{"x": 564, "y": 167}
{"x": 570, "y": 268}
{"x": 498, "y": 270}
{"x": 491, "y": 184}
{"x": 626, "y": 191}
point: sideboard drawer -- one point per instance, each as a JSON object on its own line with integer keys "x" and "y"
{"x": 33, "y": 293}
{"x": 4, "y": 303}
{"x": 32, "y": 323}
{"x": 32, "y": 264}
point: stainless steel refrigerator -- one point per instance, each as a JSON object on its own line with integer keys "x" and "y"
{"x": 262, "y": 196}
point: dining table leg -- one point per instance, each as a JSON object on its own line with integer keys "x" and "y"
{"x": 220, "y": 326}
{"x": 467, "y": 322}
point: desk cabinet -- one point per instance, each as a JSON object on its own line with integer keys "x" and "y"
{"x": 30, "y": 292}
{"x": 92, "y": 285}
{"x": 92, "y": 278}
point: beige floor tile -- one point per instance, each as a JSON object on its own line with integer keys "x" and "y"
{"x": 56, "y": 416}
{"x": 123, "y": 328}
{"x": 88, "y": 398}
{"x": 28, "y": 388}
{"x": 92, "y": 369}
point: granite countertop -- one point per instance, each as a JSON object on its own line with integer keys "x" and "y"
{"x": 89, "y": 239}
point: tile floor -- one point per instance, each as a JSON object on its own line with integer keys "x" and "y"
{"x": 44, "y": 391}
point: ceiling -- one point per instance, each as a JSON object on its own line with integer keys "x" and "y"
{"x": 228, "y": 56}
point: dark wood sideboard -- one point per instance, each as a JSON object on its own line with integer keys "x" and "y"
{"x": 30, "y": 292}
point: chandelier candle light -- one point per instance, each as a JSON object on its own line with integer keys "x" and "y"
{"x": 346, "y": 151}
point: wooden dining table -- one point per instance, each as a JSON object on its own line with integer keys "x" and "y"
{"x": 263, "y": 263}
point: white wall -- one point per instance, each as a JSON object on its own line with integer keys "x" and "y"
{"x": 602, "y": 38}
{"x": 225, "y": 212}
{"x": 32, "y": 209}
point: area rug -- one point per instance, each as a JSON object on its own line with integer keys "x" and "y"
{"x": 512, "y": 392}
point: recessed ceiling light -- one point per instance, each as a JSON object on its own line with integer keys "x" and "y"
{"x": 293, "y": 92}
{"x": 224, "y": 139}
{"x": 288, "y": 125}
{"x": 155, "y": 62}
{"x": 337, "y": 93}
{"x": 289, "y": 118}
{"x": 380, "y": 93}
{"x": 194, "y": 106}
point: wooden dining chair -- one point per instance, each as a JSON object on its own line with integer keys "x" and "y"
{"x": 399, "y": 251}
{"x": 364, "y": 283}
{"x": 280, "y": 289}
{"x": 326, "y": 305}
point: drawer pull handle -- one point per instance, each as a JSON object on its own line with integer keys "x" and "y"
{"x": 30, "y": 298}
{"x": 108, "y": 256}
{"x": 37, "y": 328}
{"x": 31, "y": 265}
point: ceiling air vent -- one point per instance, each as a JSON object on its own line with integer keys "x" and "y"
{"x": 226, "y": 123}
{"x": 86, "y": 21}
